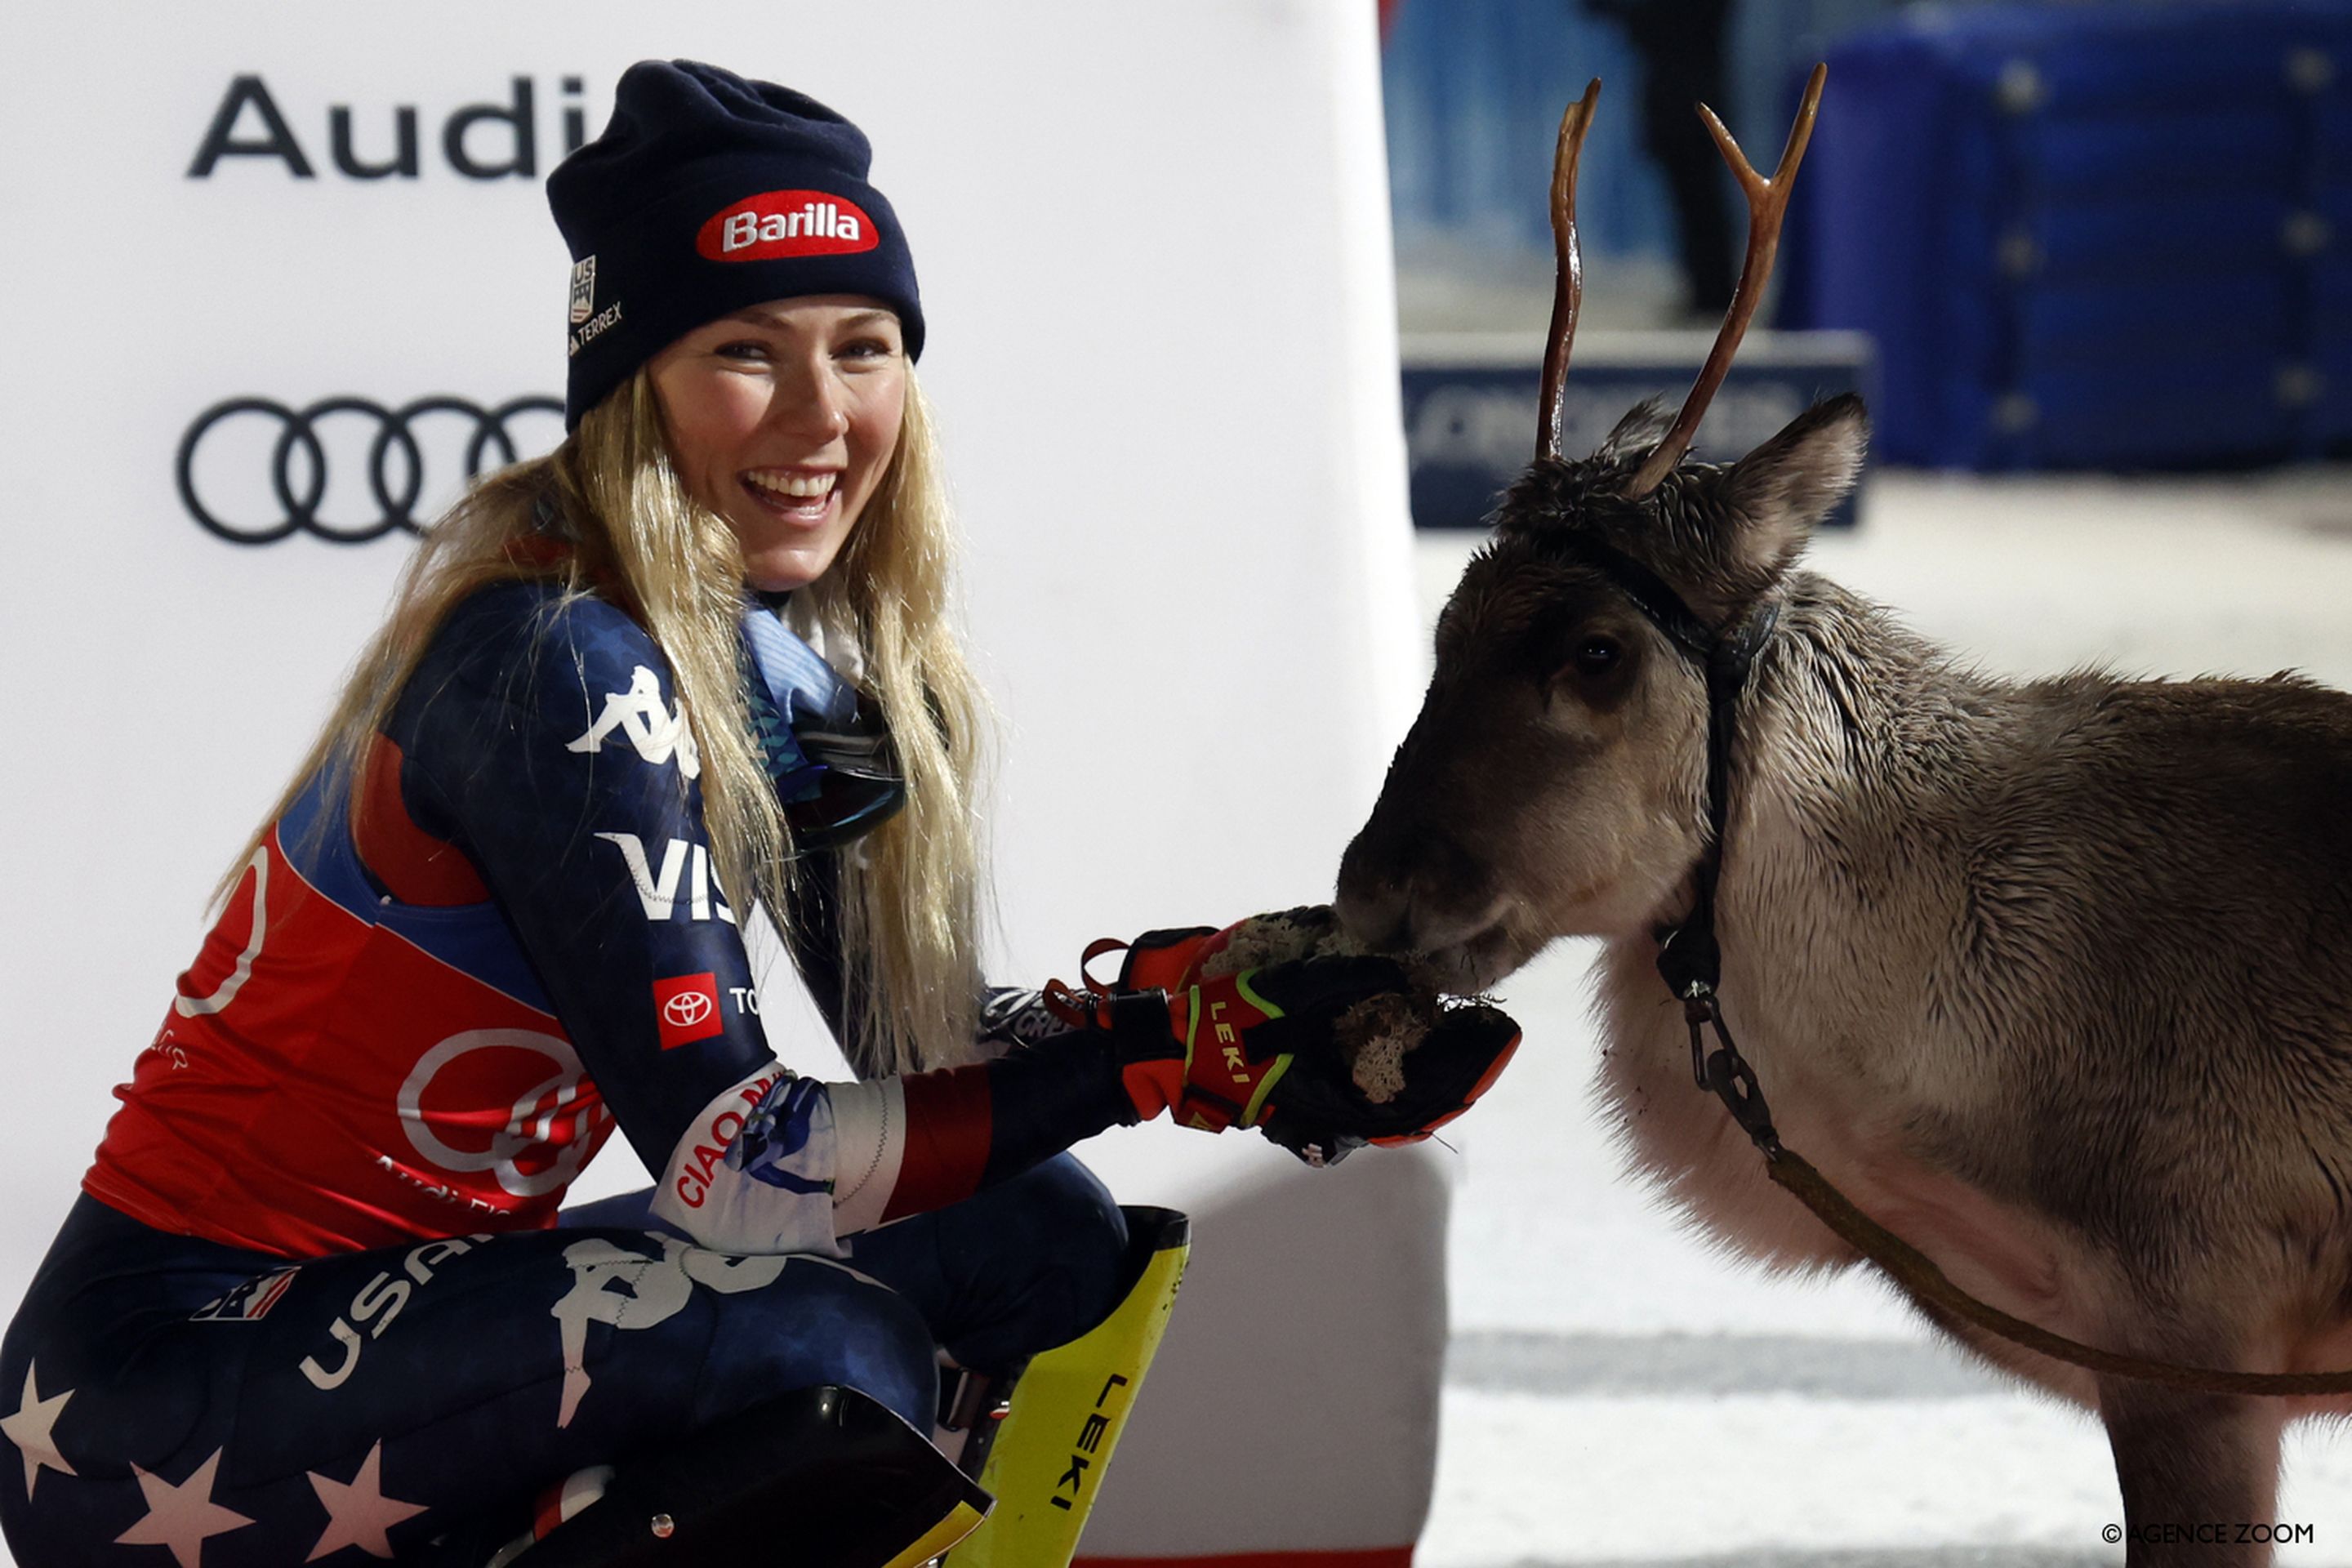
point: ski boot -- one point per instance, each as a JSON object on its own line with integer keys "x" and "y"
{"x": 1039, "y": 1438}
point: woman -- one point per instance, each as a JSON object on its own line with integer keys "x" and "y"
{"x": 316, "y": 1297}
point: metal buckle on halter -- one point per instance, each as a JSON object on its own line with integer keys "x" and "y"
{"x": 1734, "y": 1083}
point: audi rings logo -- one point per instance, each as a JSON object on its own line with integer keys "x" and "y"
{"x": 347, "y": 470}
{"x": 688, "y": 1008}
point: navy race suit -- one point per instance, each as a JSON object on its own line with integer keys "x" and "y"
{"x": 317, "y": 1300}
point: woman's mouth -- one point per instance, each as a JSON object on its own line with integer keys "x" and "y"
{"x": 802, "y": 496}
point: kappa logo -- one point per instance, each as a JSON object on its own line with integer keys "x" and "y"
{"x": 250, "y": 1301}
{"x": 686, "y": 1009}
{"x": 685, "y": 865}
{"x": 786, "y": 223}
{"x": 583, "y": 290}
{"x": 657, "y": 734}
{"x": 610, "y": 1284}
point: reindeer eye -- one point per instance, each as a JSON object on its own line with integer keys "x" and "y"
{"x": 1596, "y": 655}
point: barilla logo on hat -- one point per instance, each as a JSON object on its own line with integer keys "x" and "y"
{"x": 776, "y": 223}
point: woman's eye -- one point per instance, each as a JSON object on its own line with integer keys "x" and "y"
{"x": 867, "y": 348}
{"x": 742, "y": 349}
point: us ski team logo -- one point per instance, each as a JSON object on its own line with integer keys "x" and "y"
{"x": 248, "y": 1302}
{"x": 637, "y": 714}
{"x": 583, "y": 290}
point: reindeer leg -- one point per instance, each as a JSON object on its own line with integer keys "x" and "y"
{"x": 2194, "y": 1466}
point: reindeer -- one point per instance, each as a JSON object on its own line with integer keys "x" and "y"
{"x": 2053, "y": 979}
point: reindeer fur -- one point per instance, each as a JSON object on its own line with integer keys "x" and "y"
{"x": 2053, "y": 978}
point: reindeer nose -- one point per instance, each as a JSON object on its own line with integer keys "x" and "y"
{"x": 1375, "y": 911}
{"x": 1407, "y": 888}
{"x": 1373, "y": 903}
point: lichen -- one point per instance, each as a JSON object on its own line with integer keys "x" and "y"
{"x": 1374, "y": 1034}
{"x": 1263, "y": 940}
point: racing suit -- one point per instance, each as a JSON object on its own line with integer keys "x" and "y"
{"x": 317, "y": 1300}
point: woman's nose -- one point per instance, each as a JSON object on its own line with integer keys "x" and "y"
{"x": 811, "y": 403}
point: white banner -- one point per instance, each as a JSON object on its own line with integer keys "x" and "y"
{"x": 276, "y": 276}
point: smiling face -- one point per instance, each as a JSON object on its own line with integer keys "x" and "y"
{"x": 782, "y": 418}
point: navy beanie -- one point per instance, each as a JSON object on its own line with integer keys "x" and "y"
{"x": 705, "y": 193}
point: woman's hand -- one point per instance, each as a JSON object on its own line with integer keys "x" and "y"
{"x": 1263, "y": 1047}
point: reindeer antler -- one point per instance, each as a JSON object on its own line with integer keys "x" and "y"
{"x": 1568, "y": 292}
{"x": 1768, "y": 203}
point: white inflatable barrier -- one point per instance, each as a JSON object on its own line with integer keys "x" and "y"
{"x": 276, "y": 275}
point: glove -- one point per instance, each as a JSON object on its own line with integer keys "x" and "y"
{"x": 1321, "y": 1114}
{"x": 1258, "y": 1048}
{"x": 1171, "y": 960}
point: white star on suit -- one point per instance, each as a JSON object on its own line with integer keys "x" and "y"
{"x": 358, "y": 1513}
{"x": 182, "y": 1517}
{"x": 33, "y": 1430}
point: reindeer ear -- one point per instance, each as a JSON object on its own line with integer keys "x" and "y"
{"x": 1782, "y": 489}
{"x": 1645, "y": 425}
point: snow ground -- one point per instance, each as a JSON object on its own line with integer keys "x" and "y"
{"x": 1619, "y": 1393}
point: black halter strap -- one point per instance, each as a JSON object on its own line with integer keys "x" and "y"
{"x": 1689, "y": 958}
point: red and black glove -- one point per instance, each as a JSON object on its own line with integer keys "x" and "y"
{"x": 1257, "y": 1047}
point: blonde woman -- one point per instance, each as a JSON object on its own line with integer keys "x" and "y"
{"x": 317, "y": 1300}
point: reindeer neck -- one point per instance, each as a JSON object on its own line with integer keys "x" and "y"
{"x": 1845, "y": 692}
{"x": 1858, "y": 749}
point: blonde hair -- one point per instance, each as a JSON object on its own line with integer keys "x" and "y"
{"x": 911, "y": 890}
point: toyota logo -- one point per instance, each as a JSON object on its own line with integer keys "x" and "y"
{"x": 301, "y": 461}
{"x": 686, "y": 1009}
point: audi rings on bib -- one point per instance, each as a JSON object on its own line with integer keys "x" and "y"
{"x": 395, "y": 503}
